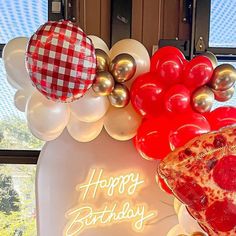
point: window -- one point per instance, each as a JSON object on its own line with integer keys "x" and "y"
{"x": 18, "y": 148}
{"x": 215, "y": 27}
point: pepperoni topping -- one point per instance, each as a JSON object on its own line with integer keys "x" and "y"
{"x": 192, "y": 194}
{"x": 224, "y": 173}
{"x": 221, "y": 215}
{"x": 219, "y": 141}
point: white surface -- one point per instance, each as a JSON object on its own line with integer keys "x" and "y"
{"x": 65, "y": 163}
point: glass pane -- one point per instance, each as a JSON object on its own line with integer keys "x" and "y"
{"x": 222, "y": 23}
{"x": 14, "y": 133}
{"x": 232, "y": 101}
{"x": 17, "y": 200}
{"x": 21, "y": 17}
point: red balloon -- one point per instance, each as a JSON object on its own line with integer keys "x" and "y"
{"x": 187, "y": 126}
{"x": 177, "y": 98}
{"x": 221, "y": 117}
{"x": 152, "y": 139}
{"x": 197, "y": 72}
{"x": 161, "y": 53}
{"x": 147, "y": 95}
{"x": 162, "y": 184}
{"x": 170, "y": 70}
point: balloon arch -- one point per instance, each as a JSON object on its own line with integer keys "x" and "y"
{"x": 67, "y": 80}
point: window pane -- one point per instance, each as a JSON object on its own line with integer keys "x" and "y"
{"x": 17, "y": 200}
{"x": 222, "y": 23}
{"x": 21, "y": 17}
{"x": 14, "y": 133}
{"x": 232, "y": 101}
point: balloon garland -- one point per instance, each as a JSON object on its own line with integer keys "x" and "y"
{"x": 74, "y": 81}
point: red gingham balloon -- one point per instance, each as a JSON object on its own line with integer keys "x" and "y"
{"x": 61, "y": 61}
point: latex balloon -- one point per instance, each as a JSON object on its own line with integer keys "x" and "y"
{"x": 224, "y": 77}
{"x": 46, "y": 119}
{"x": 14, "y": 61}
{"x": 122, "y": 124}
{"x": 221, "y": 117}
{"x": 21, "y": 97}
{"x": 103, "y": 84}
{"x": 162, "y": 53}
{"x": 84, "y": 131}
{"x": 177, "y": 98}
{"x": 152, "y": 139}
{"x": 177, "y": 230}
{"x": 223, "y": 96}
{"x": 177, "y": 205}
{"x": 163, "y": 186}
{"x": 90, "y": 107}
{"x": 212, "y": 57}
{"x": 203, "y": 99}
{"x": 123, "y": 67}
{"x": 98, "y": 43}
{"x": 197, "y": 72}
{"x": 136, "y": 50}
{"x": 170, "y": 69}
{"x": 119, "y": 97}
{"x": 102, "y": 60}
{"x": 185, "y": 127}
{"x": 189, "y": 224}
{"x": 147, "y": 95}
{"x": 62, "y": 64}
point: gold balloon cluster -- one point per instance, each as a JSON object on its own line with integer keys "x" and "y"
{"x": 111, "y": 76}
{"x": 220, "y": 88}
{"x": 194, "y": 234}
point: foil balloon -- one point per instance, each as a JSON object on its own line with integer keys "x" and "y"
{"x": 102, "y": 60}
{"x": 223, "y": 96}
{"x": 103, "y": 84}
{"x": 212, "y": 58}
{"x": 119, "y": 97}
{"x": 203, "y": 99}
{"x": 223, "y": 78}
{"x": 62, "y": 65}
{"x": 123, "y": 67}
{"x": 202, "y": 175}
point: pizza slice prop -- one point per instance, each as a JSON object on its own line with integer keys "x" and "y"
{"x": 202, "y": 174}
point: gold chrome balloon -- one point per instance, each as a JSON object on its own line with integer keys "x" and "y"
{"x": 102, "y": 60}
{"x": 223, "y": 78}
{"x": 119, "y": 97}
{"x": 223, "y": 96}
{"x": 198, "y": 234}
{"x": 103, "y": 83}
{"x": 203, "y": 99}
{"x": 123, "y": 67}
{"x": 212, "y": 58}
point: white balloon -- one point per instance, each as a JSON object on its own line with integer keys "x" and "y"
{"x": 21, "y": 97}
{"x": 177, "y": 205}
{"x": 122, "y": 123}
{"x": 90, "y": 108}
{"x": 14, "y": 61}
{"x": 84, "y": 131}
{"x": 46, "y": 119}
{"x": 189, "y": 224}
{"x": 99, "y": 43}
{"x": 176, "y": 230}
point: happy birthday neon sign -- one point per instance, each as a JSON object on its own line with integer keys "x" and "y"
{"x": 114, "y": 188}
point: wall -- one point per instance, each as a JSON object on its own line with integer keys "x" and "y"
{"x": 151, "y": 20}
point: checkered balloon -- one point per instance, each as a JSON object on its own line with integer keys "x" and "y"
{"x": 61, "y": 61}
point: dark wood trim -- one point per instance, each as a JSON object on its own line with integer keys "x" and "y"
{"x": 19, "y": 157}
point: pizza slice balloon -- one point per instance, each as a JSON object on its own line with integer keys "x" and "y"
{"x": 202, "y": 174}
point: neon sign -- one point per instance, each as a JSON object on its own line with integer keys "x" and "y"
{"x": 120, "y": 190}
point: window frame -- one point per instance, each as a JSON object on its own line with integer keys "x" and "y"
{"x": 202, "y": 30}
{"x": 29, "y": 157}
